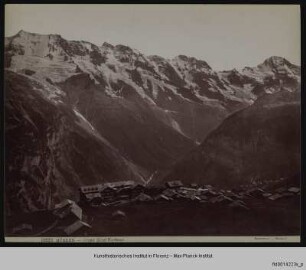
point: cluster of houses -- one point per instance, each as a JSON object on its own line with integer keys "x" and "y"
{"x": 70, "y": 218}
{"x": 67, "y": 219}
{"x": 127, "y": 192}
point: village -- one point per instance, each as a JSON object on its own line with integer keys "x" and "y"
{"x": 120, "y": 193}
{"x": 70, "y": 218}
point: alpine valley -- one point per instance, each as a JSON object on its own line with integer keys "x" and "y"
{"x": 78, "y": 114}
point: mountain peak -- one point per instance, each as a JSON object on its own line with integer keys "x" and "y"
{"x": 107, "y": 45}
{"x": 123, "y": 48}
{"x": 276, "y": 61}
{"x": 156, "y": 58}
{"x": 23, "y": 33}
{"x": 192, "y": 61}
{"x": 182, "y": 57}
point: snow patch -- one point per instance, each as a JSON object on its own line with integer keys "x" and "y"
{"x": 84, "y": 122}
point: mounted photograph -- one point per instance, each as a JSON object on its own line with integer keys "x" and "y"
{"x": 152, "y": 123}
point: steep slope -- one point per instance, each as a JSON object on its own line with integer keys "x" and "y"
{"x": 259, "y": 142}
{"x": 132, "y": 127}
{"x": 138, "y": 114}
{"x": 100, "y": 83}
{"x": 51, "y": 149}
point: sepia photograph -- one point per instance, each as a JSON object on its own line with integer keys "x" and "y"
{"x": 152, "y": 123}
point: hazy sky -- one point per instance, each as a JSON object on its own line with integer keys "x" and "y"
{"x": 225, "y": 36}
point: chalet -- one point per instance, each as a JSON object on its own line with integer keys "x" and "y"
{"x": 77, "y": 227}
{"x": 203, "y": 197}
{"x": 108, "y": 190}
{"x": 117, "y": 202}
{"x": 188, "y": 193}
{"x": 142, "y": 197}
{"x": 256, "y": 192}
{"x": 203, "y": 190}
{"x": 122, "y": 197}
{"x": 275, "y": 197}
{"x": 234, "y": 196}
{"x": 94, "y": 199}
{"x": 63, "y": 203}
{"x": 180, "y": 197}
{"x": 85, "y": 192}
{"x": 194, "y": 198}
{"x": 124, "y": 190}
{"x": 221, "y": 199}
{"x": 120, "y": 184}
{"x": 169, "y": 192}
{"x": 91, "y": 189}
{"x": 174, "y": 184}
{"x": 188, "y": 189}
{"x": 208, "y": 192}
{"x": 266, "y": 194}
{"x": 162, "y": 198}
{"x": 113, "y": 189}
{"x": 105, "y": 188}
{"x": 182, "y": 191}
{"x": 294, "y": 190}
{"x": 68, "y": 210}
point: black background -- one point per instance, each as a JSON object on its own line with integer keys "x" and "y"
{"x": 177, "y": 244}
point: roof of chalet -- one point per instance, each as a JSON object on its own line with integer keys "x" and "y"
{"x": 120, "y": 184}
{"x": 174, "y": 184}
{"x": 92, "y": 188}
{"x": 91, "y": 196}
{"x": 162, "y": 197}
{"x": 67, "y": 209}
{"x": 142, "y": 197}
{"x": 74, "y": 227}
{"x": 63, "y": 203}
{"x": 294, "y": 189}
{"x": 275, "y": 197}
{"x": 101, "y": 187}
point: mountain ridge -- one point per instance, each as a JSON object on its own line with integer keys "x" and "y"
{"x": 148, "y": 111}
{"x": 258, "y": 143}
{"x": 271, "y": 59}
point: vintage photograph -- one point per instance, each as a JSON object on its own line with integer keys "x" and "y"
{"x": 159, "y": 121}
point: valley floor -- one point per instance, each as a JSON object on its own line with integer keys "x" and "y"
{"x": 264, "y": 218}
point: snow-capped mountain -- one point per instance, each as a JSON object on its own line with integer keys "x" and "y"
{"x": 144, "y": 112}
{"x": 185, "y": 78}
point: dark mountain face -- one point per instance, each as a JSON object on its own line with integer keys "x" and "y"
{"x": 78, "y": 113}
{"x": 130, "y": 124}
{"x": 51, "y": 150}
{"x": 259, "y": 142}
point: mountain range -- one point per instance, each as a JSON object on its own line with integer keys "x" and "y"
{"x": 79, "y": 113}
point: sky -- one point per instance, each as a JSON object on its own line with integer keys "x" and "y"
{"x": 225, "y": 36}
